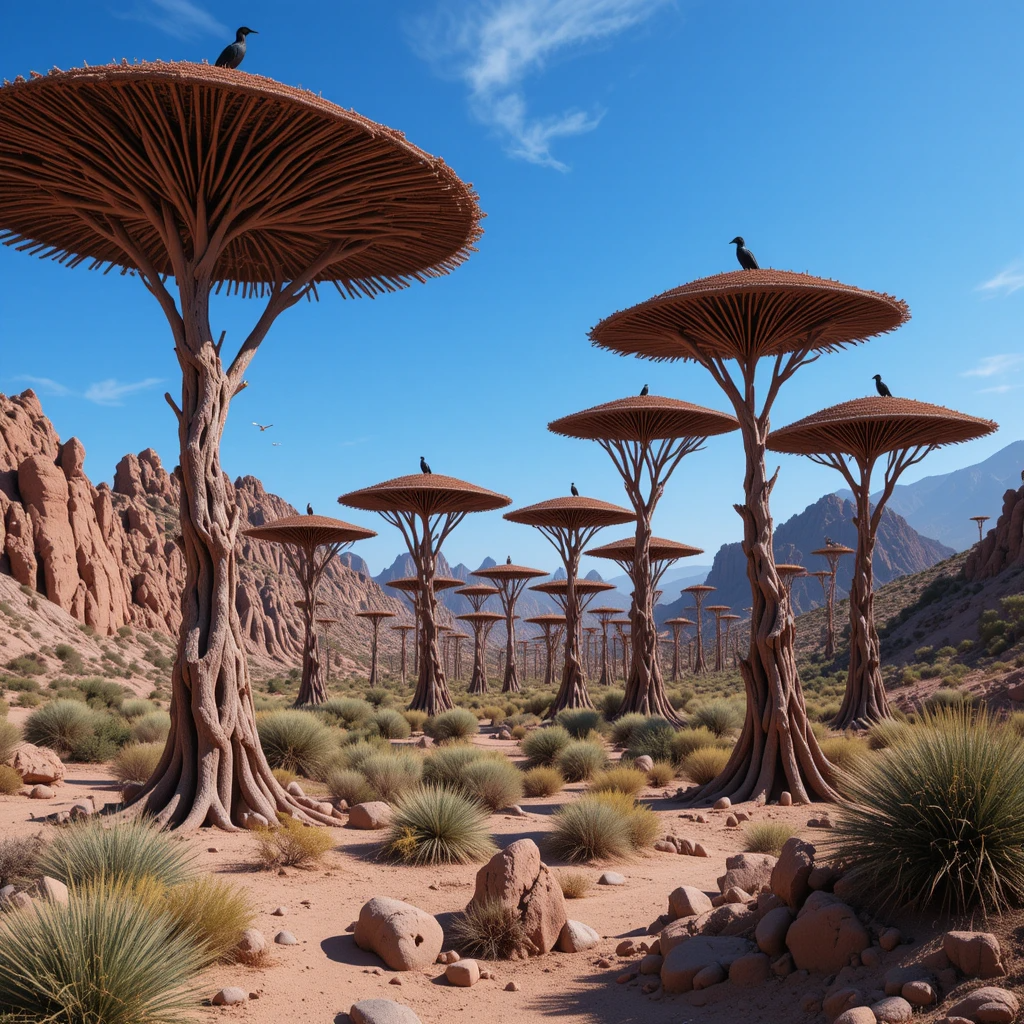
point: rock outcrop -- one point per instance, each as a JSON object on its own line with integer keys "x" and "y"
{"x": 1002, "y": 546}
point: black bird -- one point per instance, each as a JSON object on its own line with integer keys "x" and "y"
{"x": 644, "y": 391}
{"x": 881, "y": 387}
{"x": 744, "y": 255}
{"x": 508, "y": 561}
{"x": 234, "y": 54}
{"x": 424, "y": 468}
{"x": 572, "y": 488}
{"x": 309, "y": 509}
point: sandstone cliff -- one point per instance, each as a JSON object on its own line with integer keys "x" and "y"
{"x": 1002, "y": 546}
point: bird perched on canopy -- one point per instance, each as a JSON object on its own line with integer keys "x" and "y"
{"x": 744, "y": 255}
{"x": 309, "y": 509}
{"x": 508, "y": 560}
{"x": 424, "y": 468}
{"x": 881, "y": 387}
{"x": 573, "y": 491}
{"x": 261, "y": 426}
{"x": 234, "y": 53}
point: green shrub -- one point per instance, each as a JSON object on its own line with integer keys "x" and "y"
{"x": 938, "y": 820}
{"x": 887, "y": 733}
{"x": 581, "y": 760}
{"x": 295, "y": 740}
{"x": 153, "y": 727}
{"x": 574, "y": 884}
{"x": 378, "y": 697}
{"x": 354, "y": 754}
{"x": 542, "y": 781}
{"x": 543, "y": 746}
{"x": 10, "y": 737}
{"x": 609, "y": 704}
{"x": 847, "y": 753}
{"x": 619, "y": 780}
{"x": 496, "y": 783}
{"x": 493, "y": 714}
{"x": 662, "y": 773}
{"x": 128, "y": 852}
{"x": 718, "y": 716}
{"x": 653, "y": 738}
{"x": 641, "y": 822}
{"x": 438, "y": 826}
{"x": 447, "y": 767}
{"x": 705, "y": 764}
{"x": 415, "y": 719}
{"x": 941, "y": 699}
{"x": 537, "y": 704}
{"x": 100, "y": 958}
{"x": 27, "y": 665}
{"x": 579, "y": 722}
{"x": 453, "y": 725}
{"x": 59, "y": 725}
{"x": 392, "y": 774}
{"x": 624, "y": 727}
{"x": 1015, "y": 723}
{"x": 102, "y": 693}
{"x": 109, "y": 734}
{"x": 19, "y": 860}
{"x": 292, "y": 844}
{"x": 588, "y": 829}
{"x": 766, "y": 837}
{"x": 348, "y": 785}
{"x": 132, "y": 709}
{"x": 212, "y": 912}
{"x": 490, "y": 930}
{"x": 349, "y": 712}
{"x": 391, "y": 724}
{"x": 10, "y": 781}
{"x": 136, "y": 762}
{"x": 72, "y": 660}
{"x": 519, "y": 732}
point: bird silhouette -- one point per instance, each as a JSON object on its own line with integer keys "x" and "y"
{"x": 234, "y": 53}
{"x": 275, "y": 444}
{"x": 261, "y": 426}
{"x": 744, "y": 255}
{"x": 881, "y": 387}
{"x": 572, "y": 488}
{"x": 309, "y": 509}
{"x": 424, "y": 468}
{"x": 644, "y": 391}
{"x": 508, "y": 560}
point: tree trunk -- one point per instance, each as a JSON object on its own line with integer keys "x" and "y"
{"x": 572, "y": 693}
{"x": 675, "y": 653}
{"x": 604, "y": 680}
{"x": 478, "y": 683}
{"x": 510, "y": 684}
{"x": 313, "y": 688}
{"x": 431, "y": 694}
{"x": 372, "y": 681}
{"x": 776, "y": 750}
{"x": 405, "y": 636}
{"x": 830, "y": 626}
{"x": 700, "y": 666}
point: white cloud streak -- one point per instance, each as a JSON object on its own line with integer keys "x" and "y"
{"x": 999, "y": 389}
{"x": 496, "y": 45}
{"x": 1009, "y": 280}
{"x": 990, "y": 366}
{"x": 46, "y": 385}
{"x": 179, "y": 18}
{"x": 111, "y": 392}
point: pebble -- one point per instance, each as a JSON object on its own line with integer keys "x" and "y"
{"x": 41, "y": 792}
{"x": 699, "y": 851}
{"x": 611, "y": 878}
{"x": 603, "y": 962}
{"x": 785, "y": 799}
{"x": 664, "y": 846}
{"x": 286, "y": 939}
{"x": 723, "y": 803}
{"x": 395, "y": 981}
{"x": 229, "y": 997}
{"x": 732, "y": 821}
{"x": 890, "y": 939}
{"x": 512, "y": 987}
{"x": 627, "y": 947}
{"x": 463, "y": 973}
{"x": 279, "y": 912}
{"x": 623, "y": 979}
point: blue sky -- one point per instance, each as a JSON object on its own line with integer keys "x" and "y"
{"x": 617, "y": 145}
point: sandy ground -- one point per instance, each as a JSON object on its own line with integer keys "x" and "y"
{"x": 319, "y": 979}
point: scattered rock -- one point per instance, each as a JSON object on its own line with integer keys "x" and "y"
{"x": 576, "y": 936}
{"x": 840, "y": 999}
{"x": 685, "y": 847}
{"x": 504, "y": 734}
{"x": 897, "y": 977}
{"x": 871, "y": 957}
{"x": 734, "y": 894}
{"x": 857, "y": 1015}
{"x": 229, "y": 997}
{"x": 279, "y": 912}
{"x": 892, "y": 1010}
{"x": 988, "y": 1005}
{"x": 686, "y": 960}
{"x": 611, "y": 878}
{"x": 381, "y": 1011}
{"x": 747, "y": 871}
{"x": 36, "y": 765}
{"x": 41, "y": 792}
{"x": 82, "y": 809}
{"x": 687, "y": 901}
{"x": 750, "y": 970}
{"x": 283, "y": 938}
{"x": 511, "y": 987}
{"x": 790, "y": 879}
{"x": 770, "y": 933}
{"x": 403, "y": 936}
{"x": 651, "y": 964}
{"x": 732, "y": 821}
{"x": 977, "y": 954}
{"x": 713, "y": 974}
{"x": 375, "y": 814}
{"x": 643, "y": 763}
{"x": 890, "y": 939}
{"x": 627, "y": 947}
{"x": 515, "y": 811}
{"x": 251, "y": 942}
{"x": 701, "y": 819}
{"x": 447, "y": 957}
{"x": 784, "y": 966}
{"x": 663, "y": 846}
{"x": 742, "y": 816}
{"x": 463, "y": 973}
{"x": 825, "y": 934}
{"x": 785, "y": 799}
{"x": 53, "y": 891}
{"x": 699, "y": 851}
{"x": 294, "y": 788}
{"x": 723, "y": 803}
{"x": 919, "y": 993}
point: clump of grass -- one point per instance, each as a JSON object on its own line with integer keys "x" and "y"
{"x": 641, "y": 822}
{"x": 589, "y": 829}
{"x": 624, "y": 727}
{"x": 153, "y": 727}
{"x": 1015, "y": 723}
{"x": 392, "y": 774}
{"x": 888, "y": 733}
{"x": 519, "y": 732}
{"x": 542, "y": 781}
{"x": 391, "y": 724}
{"x": 948, "y": 698}
{"x": 610, "y": 703}
{"x": 452, "y": 726}
{"x": 662, "y": 773}
{"x": 686, "y": 741}
{"x": 10, "y": 737}
{"x": 939, "y": 818}
{"x": 847, "y": 753}
{"x": 766, "y": 837}
{"x": 136, "y": 708}
{"x": 438, "y": 826}
{"x": 379, "y": 697}
{"x": 493, "y": 714}
{"x": 495, "y": 783}
{"x": 489, "y": 930}
{"x": 348, "y": 785}
{"x": 447, "y": 767}
{"x": 295, "y": 740}
{"x": 354, "y": 754}
{"x": 705, "y": 764}
{"x": 19, "y": 860}
{"x": 579, "y": 722}
{"x": 136, "y": 762}
{"x": 291, "y": 844}
{"x": 284, "y": 777}
{"x": 575, "y": 884}
{"x": 581, "y": 760}
{"x": 619, "y": 780}
{"x": 10, "y": 781}
{"x": 349, "y": 712}
{"x": 718, "y": 716}
{"x": 543, "y": 746}
{"x": 91, "y": 851}
{"x": 653, "y": 738}
{"x": 213, "y": 912}
{"x": 415, "y": 719}
{"x": 60, "y": 725}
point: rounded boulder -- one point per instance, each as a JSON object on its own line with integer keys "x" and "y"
{"x": 403, "y": 936}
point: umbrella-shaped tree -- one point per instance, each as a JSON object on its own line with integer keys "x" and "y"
{"x": 426, "y": 508}
{"x": 551, "y": 631}
{"x": 851, "y": 438}
{"x": 482, "y": 623}
{"x": 718, "y": 610}
{"x": 789, "y": 572}
{"x": 605, "y": 614}
{"x": 217, "y": 179}
{"x": 676, "y": 626}
{"x": 409, "y": 588}
{"x": 699, "y": 591}
{"x": 728, "y": 324}
{"x": 310, "y": 543}
{"x": 326, "y": 621}
{"x": 404, "y": 629}
{"x": 375, "y": 618}
{"x": 831, "y": 552}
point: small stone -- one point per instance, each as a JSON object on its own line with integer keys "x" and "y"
{"x": 449, "y": 956}
{"x": 212, "y": 849}
{"x": 977, "y": 954}
{"x": 381, "y": 1011}
{"x": 892, "y": 1010}
{"x": 785, "y": 799}
{"x": 279, "y": 912}
{"x": 52, "y": 890}
{"x": 623, "y": 979}
{"x": 701, "y": 819}
{"x": 664, "y": 846}
{"x": 512, "y": 987}
{"x": 699, "y": 851}
{"x": 890, "y": 939}
{"x": 723, "y": 803}
{"x": 856, "y": 1015}
{"x": 604, "y": 962}
{"x": 229, "y": 997}
{"x": 840, "y": 999}
{"x": 734, "y": 894}
{"x": 284, "y": 938}
{"x": 251, "y": 942}
{"x": 783, "y": 967}
{"x": 463, "y": 973}
{"x": 294, "y": 789}
{"x": 504, "y": 734}
{"x": 871, "y": 957}
{"x": 919, "y": 993}
{"x": 41, "y": 792}
{"x": 687, "y": 901}
{"x": 575, "y": 937}
{"x": 486, "y": 975}
{"x": 395, "y": 980}
{"x": 611, "y": 878}
{"x": 685, "y": 847}
{"x": 515, "y": 811}
{"x": 643, "y": 763}
{"x": 732, "y": 821}
{"x": 627, "y": 947}
{"x": 372, "y": 815}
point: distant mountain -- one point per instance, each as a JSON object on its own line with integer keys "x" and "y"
{"x": 941, "y": 506}
{"x": 672, "y": 582}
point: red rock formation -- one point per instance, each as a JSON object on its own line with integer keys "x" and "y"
{"x": 1002, "y": 546}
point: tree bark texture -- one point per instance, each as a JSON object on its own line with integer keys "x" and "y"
{"x": 313, "y": 687}
{"x": 572, "y": 691}
{"x": 510, "y": 683}
{"x": 375, "y": 626}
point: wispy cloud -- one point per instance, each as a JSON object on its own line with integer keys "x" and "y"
{"x": 495, "y": 46}
{"x": 46, "y": 385}
{"x": 990, "y": 366}
{"x": 999, "y": 389}
{"x": 352, "y": 444}
{"x": 1009, "y": 280}
{"x": 110, "y": 392}
{"x": 179, "y": 18}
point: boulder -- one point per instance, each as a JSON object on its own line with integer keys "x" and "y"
{"x": 53, "y": 891}
{"x": 544, "y": 913}
{"x": 576, "y": 936}
{"x": 747, "y": 871}
{"x": 750, "y": 970}
{"x": 770, "y": 933}
{"x": 790, "y": 879}
{"x": 988, "y": 1005}
{"x": 611, "y": 878}
{"x": 229, "y": 997}
{"x": 856, "y": 1015}
{"x": 37, "y": 765}
{"x": 977, "y": 954}
{"x": 687, "y": 901}
{"x": 643, "y": 763}
{"x": 919, "y": 993}
{"x": 713, "y": 974}
{"x": 825, "y": 934}
{"x": 892, "y": 1010}
{"x": 375, "y": 814}
{"x": 251, "y": 942}
{"x": 381, "y": 1011}
{"x": 463, "y": 973}
{"x": 41, "y": 792}
{"x": 403, "y": 936}
{"x": 723, "y": 803}
{"x": 686, "y": 960}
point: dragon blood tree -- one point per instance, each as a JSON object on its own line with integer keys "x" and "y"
{"x": 589, "y": 640}
{"x": 676, "y": 625}
{"x": 729, "y": 619}
{"x": 831, "y": 553}
{"x": 570, "y": 524}
{"x": 404, "y": 629}
{"x": 851, "y": 437}
{"x": 196, "y": 179}
{"x": 728, "y": 324}
{"x": 605, "y": 615}
{"x": 645, "y": 687}
{"x": 699, "y": 591}
{"x": 375, "y": 618}
{"x": 482, "y": 623}
{"x": 409, "y": 588}
{"x": 551, "y": 633}
{"x": 586, "y": 591}
{"x": 980, "y": 522}
{"x": 325, "y": 622}
{"x": 621, "y": 625}
{"x": 789, "y": 573}
{"x": 510, "y": 580}
{"x": 718, "y": 610}
{"x": 646, "y": 437}
{"x": 426, "y": 508}
{"x": 310, "y": 543}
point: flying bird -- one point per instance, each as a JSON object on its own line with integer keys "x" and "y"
{"x": 744, "y": 255}
{"x": 261, "y": 426}
{"x": 233, "y": 54}
{"x": 572, "y": 488}
{"x": 644, "y": 391}
{"x": 881, "y": 387}
{"x": 275, "y": 444}
{"x": 309, "y": 509}
{"x": 508, "y": 560}
{"x": 424, "y": 468}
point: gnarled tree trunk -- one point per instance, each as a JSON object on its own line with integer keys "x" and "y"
{"x": 572, "y": 692}
{"x": 510, "y": 684}
{"x": 431, "y": 694}
{"x": 313, "y": 688}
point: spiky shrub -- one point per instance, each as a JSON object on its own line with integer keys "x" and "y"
{"x": 947, "y": 698}
{"x": 447, "y": 767}
{"x": 619, "y": 780}
{"x": 542, "y": 781}
{"x": 136, "y": 762}
{"x": 543, "y": 746}
{"x": 494, "y": 783}
{"x": 537, "y": 704}
{"x": 131, "y": 851}
{"x": 766, "y": 837}
{"x": 295, "y": 740}
{"x": 589, "y": 829}
{"x": 19, "y": 860}
{"x": 292, "y": 844}
{"x": 349, "y": 712}
{"x": 451, "y": 726}
{"x": 493, "y": 714}
{"x": 438, "y": 826}
{"x": 519, "y": 732}
{"x": 10, "y": 781}
{"x": 641, "y": 821}
{"x": 489, "y": 930}
{"x": 662, "y": 773}
{"x": 1015, "y": 723}
{"x": 60, "y": 725}
{"x": 213, "y": 912}
{"x": 284, "y": 777}
{"x": 575, "y": 884}
{"x": 10, "y": 737}
{"x": 101, "y": 957}
{"x": 705, "y": 764}
{"x": 653, "y": 738}
{"x": 624, "y": 727}
{"x": 581, "y": 760}
{"x": 610, "y": 702}
{"x": 847, "y": 753}
{"x": 392, "y": 774}
{"x": 152, "y": 727}
{"x": 719, "y": 716}
{"x": 888, "y": 733}
{"x": 353, "y": 755}
{"x": 136, "y": 708}
{"x": 415, "y": 719}
{"x": 579, "y": 722}
{"x": 686, "y": 741}
{"x": 390, "y": 724}
{"x": 939, "y": 818}
{"x": 348, "y": 785}
{"x": 378, "y": 697}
